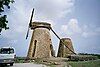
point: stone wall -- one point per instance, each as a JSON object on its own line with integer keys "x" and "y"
{"x": 40, "y": 45}
{"x": 63, "y": 51}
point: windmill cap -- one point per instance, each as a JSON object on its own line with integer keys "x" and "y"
{"x": 40, "y": 25}
{"x": 65, "y": 39}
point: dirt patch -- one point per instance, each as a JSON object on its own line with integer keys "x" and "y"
{"x": 53, "y": 62}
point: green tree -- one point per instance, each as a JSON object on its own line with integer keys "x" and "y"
{"x": 3, "y": 18}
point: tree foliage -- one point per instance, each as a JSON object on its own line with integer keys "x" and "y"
{"x": 3, "y": 18}
{"x": 98, "y": 55}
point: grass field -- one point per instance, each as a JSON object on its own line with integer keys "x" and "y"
{"x": 95, "y": 63}
{"x": 92, "y": 63}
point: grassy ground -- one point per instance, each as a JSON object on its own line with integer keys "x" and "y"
{"x": 95, "y": 63}
{"x": 60, "y": 62}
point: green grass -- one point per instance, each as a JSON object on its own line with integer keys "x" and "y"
{"x": 95, "y": 63}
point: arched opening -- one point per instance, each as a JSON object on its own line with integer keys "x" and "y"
{"x": 34, "y": 47}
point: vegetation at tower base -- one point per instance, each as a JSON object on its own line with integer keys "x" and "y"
{"x": 3, "y": 18}
{"x": 82, "y": 57}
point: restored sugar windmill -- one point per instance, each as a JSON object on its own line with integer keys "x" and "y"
{"x": 40, "y": 44}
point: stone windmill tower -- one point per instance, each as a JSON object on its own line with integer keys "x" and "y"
{"x": 40, "y": 41}
{"x": 64, "y": 51}
{"x": 40, "y": 44}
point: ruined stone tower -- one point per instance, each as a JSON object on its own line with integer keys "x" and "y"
{"x": 40, "y": 45}
{"x": 63, "y": 51}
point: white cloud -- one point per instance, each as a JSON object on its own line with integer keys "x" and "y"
{"x": 91, "y": 32}
{"x": 45, "y": 10}
{"x": 85, "y": 34}
{"x": 52, "y": 9}
{"x": 72, "y": 27}
{"x": 64, "y": 27}
{"x": 98, "y": 30}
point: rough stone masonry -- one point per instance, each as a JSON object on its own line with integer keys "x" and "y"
{"x": 63, "y": 51}
{"x": 40, "y": 45}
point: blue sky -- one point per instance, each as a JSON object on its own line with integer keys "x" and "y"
{"x": 76, "y": 19}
